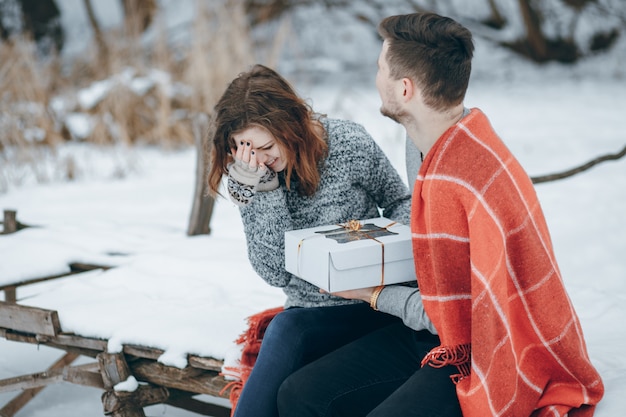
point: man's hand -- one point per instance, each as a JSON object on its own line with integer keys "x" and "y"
{"x": 364, "y": 294}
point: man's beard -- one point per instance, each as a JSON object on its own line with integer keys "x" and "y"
{"x": 397, "y": 116}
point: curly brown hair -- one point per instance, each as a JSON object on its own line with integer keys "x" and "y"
{"x": 261, "y": 97}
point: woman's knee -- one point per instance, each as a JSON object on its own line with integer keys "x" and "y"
{"x": 289, "y": 398}
{"x": 285, "y": 327}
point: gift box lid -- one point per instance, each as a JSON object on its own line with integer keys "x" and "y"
{"x": 342, "y": 257}
{"x": 368, "y": 242}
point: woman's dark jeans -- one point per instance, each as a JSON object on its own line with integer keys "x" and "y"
{"x": 296, "y": 337}
{"x": 378, "y": 375}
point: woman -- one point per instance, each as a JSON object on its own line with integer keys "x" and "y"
{"x": 289, "y": 168}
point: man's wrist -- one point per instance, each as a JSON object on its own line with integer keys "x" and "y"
{"x": 374, "y": 297}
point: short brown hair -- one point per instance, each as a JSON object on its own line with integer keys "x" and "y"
{"x": 261, "y": 97}
{"x": 434, "y": 51}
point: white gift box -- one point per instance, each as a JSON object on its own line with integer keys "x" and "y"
{"x": 339, "y": 257}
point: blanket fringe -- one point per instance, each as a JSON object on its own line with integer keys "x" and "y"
{"x": 250, "y": 341}
{"x": 459, "y": 356}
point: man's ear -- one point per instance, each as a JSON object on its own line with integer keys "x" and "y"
{"x": 409, "y": 89}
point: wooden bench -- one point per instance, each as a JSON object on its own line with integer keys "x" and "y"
{"x": 159, "y": 383}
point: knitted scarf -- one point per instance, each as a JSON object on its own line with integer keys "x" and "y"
{"x": 491, "y": 285}
{"x": 250, "y": 341}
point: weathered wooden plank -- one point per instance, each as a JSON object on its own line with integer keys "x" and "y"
{"x": 74, "y": 344}
{"x": 14, "y": 336}
{"x": 127, "y": 403}
{"x": 87, "y": 375}
{"x": 40, "y": 379}
{"x": 16, "y": 404}
{"x": 36, "y": 380}
{"x": 87, "y": 367}
{"x": 29, "y": 319}
{"x": 94, "y": 346}
{"x": 78, "y": 267}
{"x": 189, "y": 379}
{"x": 143, "y": 351}
{"x": 209, "y": 364}
{"x": 71, "y": 340}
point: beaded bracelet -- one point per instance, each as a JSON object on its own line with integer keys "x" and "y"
{"x": 374, "y": 296}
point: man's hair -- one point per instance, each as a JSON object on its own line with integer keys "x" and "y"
{"x": 433, "y": 51}
{"x": 261, "y": 97}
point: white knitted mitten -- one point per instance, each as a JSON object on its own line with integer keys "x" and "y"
{"x": 244, "y": 181}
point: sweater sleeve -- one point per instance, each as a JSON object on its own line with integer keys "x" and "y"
{"x": 405, "y": 302}
{"x": 265, "y": 221}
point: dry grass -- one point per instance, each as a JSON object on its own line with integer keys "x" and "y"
{"x": 180, "y": 83}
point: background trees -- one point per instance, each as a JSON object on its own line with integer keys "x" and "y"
{"x": 541, "y": 30}
{"x": 145, "y": 80}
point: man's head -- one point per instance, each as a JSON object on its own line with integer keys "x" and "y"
{"x": 433, "y": 52}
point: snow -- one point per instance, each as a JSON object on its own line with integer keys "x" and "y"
{"x": 129, "y": 385}
{"x": 79, "y": 125}
{"x": 89, "y": 97}
{"x": 129, "y": 208}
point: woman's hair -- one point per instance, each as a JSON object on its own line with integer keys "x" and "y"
{"x": 261, "y": 97}
{"x": 432, "y": 50}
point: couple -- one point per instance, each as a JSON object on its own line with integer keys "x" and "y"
{"x": 490, "y": 330}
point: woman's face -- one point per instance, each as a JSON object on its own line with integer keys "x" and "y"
{"x": 260, "y": 144}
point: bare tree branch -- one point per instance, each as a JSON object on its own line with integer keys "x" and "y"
{"x": 581, "y": 168}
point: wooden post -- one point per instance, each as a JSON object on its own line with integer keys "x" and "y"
{"x": 87, "y": 375}
{"x": 114, "y": 370}
{"x": 10, "y": 222}
{"x": 202, "y": 205}
{"x": 10, "y": 294}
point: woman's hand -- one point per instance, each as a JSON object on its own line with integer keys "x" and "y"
{"x": 246, "y": 176}
{"x": 246, "y": 155}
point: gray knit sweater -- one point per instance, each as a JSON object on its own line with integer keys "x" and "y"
{"x": 357, "y": 180}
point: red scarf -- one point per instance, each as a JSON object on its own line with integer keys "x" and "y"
{"x": 491, "y": 285}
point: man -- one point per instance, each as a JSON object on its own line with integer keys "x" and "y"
{"x": 510, "y": 341}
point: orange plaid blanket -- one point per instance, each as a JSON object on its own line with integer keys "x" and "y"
{"x": 491, "y": 284}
